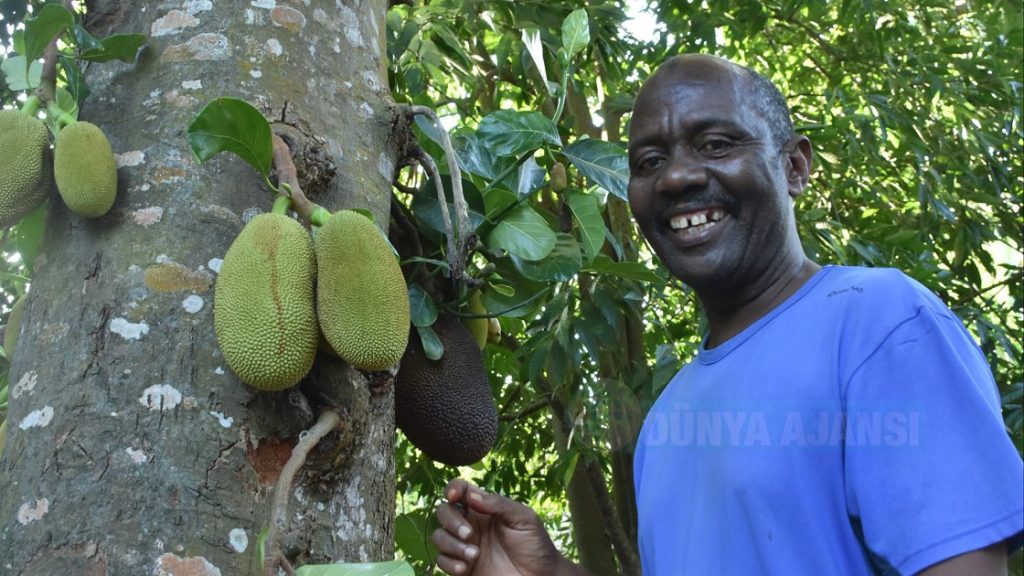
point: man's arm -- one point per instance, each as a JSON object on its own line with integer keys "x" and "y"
{"x": 989, "y": 561}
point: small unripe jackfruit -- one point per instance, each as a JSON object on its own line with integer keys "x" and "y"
{"x": 25, "y": 165}
{"x": 445, "y": 407}
{"x": 13, "y": 326}
{"x": 85, "y": 169}
{"x": 559, "y": 179}
{"x": 362, "y": 301}
{"x": 263, "y": 311}
{"x": 478, "y": 327}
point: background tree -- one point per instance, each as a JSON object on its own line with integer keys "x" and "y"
{"x": 914, "y": 110}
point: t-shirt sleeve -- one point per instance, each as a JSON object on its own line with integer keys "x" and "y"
{"x": 930, "y": 470}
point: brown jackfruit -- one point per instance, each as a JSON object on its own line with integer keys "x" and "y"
{"x": 445, "y": 407}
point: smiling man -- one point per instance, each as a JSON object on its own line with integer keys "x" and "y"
{"x": 836, "y": 420}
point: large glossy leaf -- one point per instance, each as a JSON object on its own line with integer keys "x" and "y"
{"x": 534, "y": 46}
{"x": 74, "y": 80}
{"x": 17, "y": 77}
{"x": 392, "y": 568}
{"x": 428, "y": 209}
{"x": 560, "y": 265}
{"x": 523, "y": 233}
{"x": 433, "y": 348}
{"x": 587, "y": 212}
{"x": 412, "y": 536}
{"x": 603, "y": 163}
{"x": 512, "y": 133}
{"x": 422, "y": 310}
{"x": 44, "y": 27}
{"x": 575, "y": 32}
{"x": 630, "y": 270}
{"x": 232, "y": 125}
{"x": 121, "y": 47}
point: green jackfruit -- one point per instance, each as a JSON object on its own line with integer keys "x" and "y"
{"x": 478, "y": 327}
{"x": 263, "y": 311}
{"x": 445, "y": 407}
{"x": 13, "y": 326}
{"x": 25, "y": 165}
{"x": 361, "y": 298}
{"x": 85, "y": 169}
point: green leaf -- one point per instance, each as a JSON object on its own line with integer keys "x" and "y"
{"x": 412, "y": 535}
{"x": 511, "y": 133}
{"x": 232, "y": 125}
{"x": 560, "y": 265}
{"x": 534, "y": 46}
{"x": 392, "y": 568}
{"x": 603, "y": 163}
{"x": 74, "y": 83}
{"x": 15, "y": 76}
{"x": 433, "y": 348}
{"x": 27, "y": 235}
{"x": 524, "y": 233}
{"x": 428, "y": 210}
{"x": 630, "y": 270}
{"x": 588, "y": 215}
{"x": 575, "y": 32}
{"x": 42, "y": 29}
{"x": 421, "y": 307}
{"x": 121, "y": 47}
{"x": 84, "y": 40}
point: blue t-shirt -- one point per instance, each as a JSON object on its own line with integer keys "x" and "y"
{"x": 855, "y": 429}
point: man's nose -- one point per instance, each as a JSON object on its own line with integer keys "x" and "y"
{"x": 684, "y": 173}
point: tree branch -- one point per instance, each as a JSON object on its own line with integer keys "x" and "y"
{"x": 273, "y": 557}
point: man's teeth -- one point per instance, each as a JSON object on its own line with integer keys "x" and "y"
{"x": 683, "y": 222}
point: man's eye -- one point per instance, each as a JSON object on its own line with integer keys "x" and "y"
{"x": 716, "y": 146}
{"x": 650, "y": 163}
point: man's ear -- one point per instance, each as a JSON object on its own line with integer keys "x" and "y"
{"x": 798, "y": 169}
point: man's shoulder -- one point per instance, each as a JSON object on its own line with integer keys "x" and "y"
{"x": 884, "y": 290}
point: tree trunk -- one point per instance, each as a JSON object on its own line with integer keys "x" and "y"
{"x": 133, "y": 449}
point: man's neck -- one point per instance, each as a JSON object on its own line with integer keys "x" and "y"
{"x": 730, "y": 313}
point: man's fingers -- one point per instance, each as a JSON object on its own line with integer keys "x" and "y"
{"x": 451, "y": 566}
{"x": 453, "y": 521}
{"x": 450, "y": 546}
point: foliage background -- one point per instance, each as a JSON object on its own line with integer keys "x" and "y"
{"x": 914, "y": 109}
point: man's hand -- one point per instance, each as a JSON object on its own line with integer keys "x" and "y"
{"x": 484, "y": 534}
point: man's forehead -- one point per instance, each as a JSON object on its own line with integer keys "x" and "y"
{"x": 695, "y": 70}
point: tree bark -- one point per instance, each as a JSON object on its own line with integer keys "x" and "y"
{"x": 132, "y": 448}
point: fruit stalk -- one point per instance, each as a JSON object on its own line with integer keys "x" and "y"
{"x": 273, "y": 558}
{"x": 288, "y": 175}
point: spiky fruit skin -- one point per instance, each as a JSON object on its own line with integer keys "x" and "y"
{"x": 25, "y": 165}
{"x": 13, "y": 326}
{"x": 263, "y": 311}
{"x": 85, "y": 169}
{"x": 445, "y": 407}
{"x": 361, "y": 298}
{"x": 478, "y": 327}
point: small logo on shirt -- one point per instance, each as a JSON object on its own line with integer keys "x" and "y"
{"x": 856, "y": 289}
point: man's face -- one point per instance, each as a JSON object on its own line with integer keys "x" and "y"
{"x": 708, "y": 186}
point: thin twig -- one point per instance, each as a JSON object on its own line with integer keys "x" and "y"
{"x": 431, "y": 167}
{"x": 464, "y": 237}
{"x": 288, "y": 174}
{"x": 273, "y": 558}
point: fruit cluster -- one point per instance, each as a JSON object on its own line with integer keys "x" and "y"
{"x": 81, "y": 164}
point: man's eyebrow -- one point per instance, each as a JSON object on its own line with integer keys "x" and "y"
{"x": 696, "y": 126}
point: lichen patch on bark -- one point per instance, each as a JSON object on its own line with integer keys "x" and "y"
{"x": 173, "y": 565}
{"x": 169, "y": 276}
{"x": 160, "y": 397}
{"x": 203, "y": 47}
{"x": 37, "y": 418}
{"x": 288, "y": 18}
{"x": 25, "y": 385}
{"x": 173, "y": 22}
{"x": 146, "y": 217}
{"x": 130, "y": 158}
{"x": 127, "y": 330}
{"x": 32, "y": 511}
